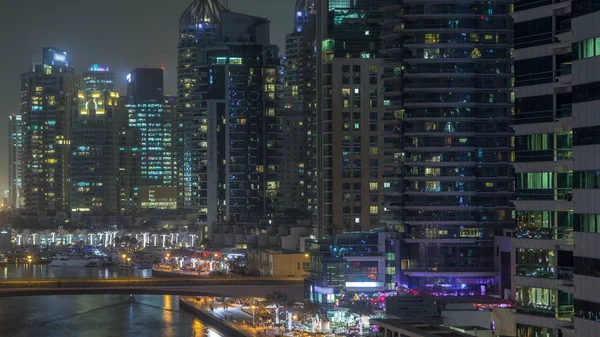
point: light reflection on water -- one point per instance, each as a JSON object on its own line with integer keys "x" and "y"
{"x": 92, "y": 315}
{"x": 25, "y": 270}
{"x": 98, "y": 316}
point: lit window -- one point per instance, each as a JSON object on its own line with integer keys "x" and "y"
{"x": 373, "y": 186}
{"x": 373, "y": 150}
{"x": 489, "y": 184}
{"x": 374, "y": 209}
{"x": 432, "y": 38}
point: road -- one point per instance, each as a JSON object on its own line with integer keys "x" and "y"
{"x": 198, "y": 286}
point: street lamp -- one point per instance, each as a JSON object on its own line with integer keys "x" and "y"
{"x": 124, "y": 256}
{"x": 253, "y": 308}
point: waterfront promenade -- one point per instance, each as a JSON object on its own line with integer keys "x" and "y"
{"x": 232, "y": 316}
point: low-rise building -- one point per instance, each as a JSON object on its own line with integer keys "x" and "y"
{"x": 360, "y": 262}
{"x": 412, "y": 328}
{"x": 278, "y": 263}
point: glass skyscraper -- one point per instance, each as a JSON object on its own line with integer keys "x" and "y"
{"x": 93, "y": 169}
{"x": 48, "y": 98}
{"x": 227, "y": 114}
{"x": 448, "y": 114}
{"x": 348, "y": 140}
{"x": 152, "y": 115}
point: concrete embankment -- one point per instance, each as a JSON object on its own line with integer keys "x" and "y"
{"x": 211, "y": 321}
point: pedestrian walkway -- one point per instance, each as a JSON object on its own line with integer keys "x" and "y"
{"x": 230, "y": 314}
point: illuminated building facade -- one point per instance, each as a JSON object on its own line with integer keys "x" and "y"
{"x": 128, "y": 164}
{"x": 298, "y": 108}
{"x": 93, "y": 153}
{"x": 48, "y": 98}
{"x": 448, "y": 112}
{"x": 348, "y": 138}
{"x": 227, "y": 105}
{"x": 15, "y": 161}
{"x": 153, "y": 116}
{"x": 352, "y": 263}
{"x": 98, "y": 77}
{"x": 557, "y": 49}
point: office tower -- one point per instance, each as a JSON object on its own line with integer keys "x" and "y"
{"x": 556, "y": 91}
{"x": 154, "y": 120}
{"x": 449, "y": 182}
{"x": 48, "y": 97}
{"x": 349, "y": 100}
{"x": 129, "y": 163}
{"x": 299, "y": 102}
{"x": 15, "y": 160}
{"x": 227, "y": 79}
{"x": 93, "y": 171}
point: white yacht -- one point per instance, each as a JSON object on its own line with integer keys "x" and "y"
{"x": 74, "y": 261}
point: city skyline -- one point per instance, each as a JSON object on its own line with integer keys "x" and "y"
{"x": 89, "y": 41}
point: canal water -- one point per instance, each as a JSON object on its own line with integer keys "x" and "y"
{"x": 44, "y": 271}
{"x": 92, "y": 315}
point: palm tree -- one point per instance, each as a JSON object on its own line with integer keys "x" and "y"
{"x": 279, "y": 300}
{"x": 314, "y": 311}
{"x": 362, "y": 309}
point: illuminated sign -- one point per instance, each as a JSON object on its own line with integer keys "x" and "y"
{"x": 97, "y": 67}
{"x": 60, "y": 57}
{"x": 128, "y": 77}
{"x": 323, "y": 290}
{"x": 364, "y": 284}
{"x": 4, "y": 232}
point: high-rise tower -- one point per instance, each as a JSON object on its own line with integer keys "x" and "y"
{"x": 15, "y": 160}
{"x": 154, "y": 120}
{"x": 346, "y": 133}
{"x": 557, "y": 86}
{"x": 93, "y": 170}
{"x": 448, "y": 112}
{"x": 227, "y": 110}
{"x": 298, "y": 108}
{"x": 48, "y": 97}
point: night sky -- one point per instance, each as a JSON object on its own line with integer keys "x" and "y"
{"x": 125, "y": 34}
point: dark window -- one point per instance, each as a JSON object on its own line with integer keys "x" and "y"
{"x": 533, "y": 33}
{"x": 586, "y": 136}
{"x": 586, "y": 92}
{"x": 533, "y": 71}
{"x": 581, "y": 7}
{"x": 521, "y": 5}
{"x": 534, "y": 109}
{"x": 587, "y": 310}
{"x": 587, "y": 266}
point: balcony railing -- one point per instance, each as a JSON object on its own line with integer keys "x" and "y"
{"x": 551, "y": 272}
{"x": 564, "y": 234}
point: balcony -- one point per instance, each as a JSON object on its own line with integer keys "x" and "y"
{"x": 541, "y": 271}
{"x": 563, "y": 234}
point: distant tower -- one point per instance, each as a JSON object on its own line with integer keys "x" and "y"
{"x": 94, "y": 131}
{"x": 15, "y": 162}
{"x": 153, "y": 117}
{"x": 48, "y": 98}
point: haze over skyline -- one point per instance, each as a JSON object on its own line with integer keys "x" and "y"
{"x": 123, "y": 34}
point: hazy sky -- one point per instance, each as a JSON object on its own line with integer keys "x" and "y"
{"x": 125, "y": 34}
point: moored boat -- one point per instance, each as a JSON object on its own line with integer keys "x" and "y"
{"x": 74, "y": 261}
